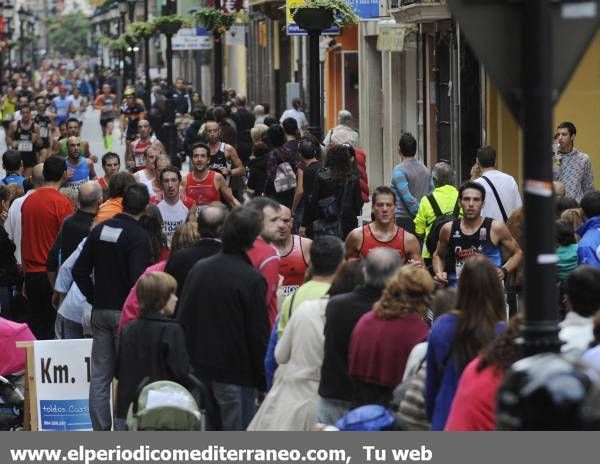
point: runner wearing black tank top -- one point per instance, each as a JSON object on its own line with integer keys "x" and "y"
{"x": 473, "y": 234}
{"x": 223, "y": 157}
{"x": 23, "y": 136}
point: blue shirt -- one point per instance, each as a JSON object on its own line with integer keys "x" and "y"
{"x": 442, "y": 374}
{"x": 62, "y": 106}
{"x": 588, "y": 248}
{"x": 13, "y": 178}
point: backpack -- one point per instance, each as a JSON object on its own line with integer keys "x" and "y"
{"x": 440, "y": 219}
{"x": 285, "y": 177}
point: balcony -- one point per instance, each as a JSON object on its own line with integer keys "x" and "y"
{"x": 415, "y": 11}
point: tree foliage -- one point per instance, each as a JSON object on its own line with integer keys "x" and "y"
{"x": 69, "y": 33}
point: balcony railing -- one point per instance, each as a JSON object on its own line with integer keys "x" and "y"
{"x": 419, "y": 11}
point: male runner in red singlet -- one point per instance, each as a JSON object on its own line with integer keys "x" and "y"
{"x": 111, "y": 165}
{"x": 383, "y": 231}
{"x": 293, "y": 253}
{"x": 203, "y": 185}
{"x": 134, "y": 152}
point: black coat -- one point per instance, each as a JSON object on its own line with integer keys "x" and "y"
{"x": 9, "y": 272}
{"x": 181, "y": 262}
{"x": 341, "y": 315}
{"x": 223, "y": 310}
{"x": 348, "y": 199}
{"x": 152, "y": 346}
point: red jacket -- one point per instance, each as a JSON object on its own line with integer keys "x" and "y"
{"x": 361, "y": 164}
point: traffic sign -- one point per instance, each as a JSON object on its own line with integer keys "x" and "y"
{"x": 494, "y": 29}
{"x": 192, "y": 39}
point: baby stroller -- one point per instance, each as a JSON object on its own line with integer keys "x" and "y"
{"x": 11, "y": 401}
{"x": 166, "y": 405}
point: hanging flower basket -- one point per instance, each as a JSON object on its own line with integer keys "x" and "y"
{"x": 215, "y": 20}
{"x": 322, "y": 14}
{"x": 313, "y": 18}
{"x": 142, "y": 29}
{"x": 170, "y": 25}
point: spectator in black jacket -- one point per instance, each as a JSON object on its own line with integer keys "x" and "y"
{"x": 74, "y": 228}
{"x": 342, "y": 314}
{"x": 338, "y": 180}
{"x": 244, "y": 121}
{"x": 224, "y": 313}
{"x": 153, "y": 345}
{"x": 210, "y": 225}
{"x": 117, "y": 251}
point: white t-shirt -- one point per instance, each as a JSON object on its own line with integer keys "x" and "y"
{"x": 508, "y": 191}
{"x": 12, "y": 225}
{"x": 173, "y": 216}
{"x": 297, "y": 115}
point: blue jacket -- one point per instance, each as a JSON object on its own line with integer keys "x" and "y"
{"x": 588, "y": 249}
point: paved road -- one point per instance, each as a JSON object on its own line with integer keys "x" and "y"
{"x": 92, "y": 133}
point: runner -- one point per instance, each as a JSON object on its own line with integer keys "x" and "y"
{"x": 23, "y": 136}
{"x": 205, "y": 186}
{"x": 79, "y": 103}
{"x": 106, "y": 102}
{"x": 134, "y": 152}
{"x": 79, "y": 170}
{"x": 294, "y": 253}
{"x": 132, "y": 111}
{"x": 473, "y": 235}
{"x": 42, "y": 119}
{"x": 223, "y": 157}
{"x": 383, "y": 231}
{"x": 63, "y": 105}
{"x": 73, "y": 130}
{"x": 147, "y": 174}
{"x": 111, "y": 164}
{"x": 174, "y": 209}
{"x": 155, "y": 188}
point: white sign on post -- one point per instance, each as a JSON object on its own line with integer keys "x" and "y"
{"x": 62, "y": 384}
{"x": 192, "y": 39}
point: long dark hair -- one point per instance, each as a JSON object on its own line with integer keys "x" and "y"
{"x": 152, "y": 224}
{"x": 503, "y": 351}
{"x": 337, "y": 160}
{"x": 480, "y": 306}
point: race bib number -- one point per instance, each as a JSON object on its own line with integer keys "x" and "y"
{"x": 25, "y": 145}
{"x": 44, "y": 132}
{"x": 139, "y": 160}
{"x": 289, "y": 289}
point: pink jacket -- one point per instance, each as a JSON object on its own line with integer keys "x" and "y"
{"x": 13, "y": 359}
{"x": 131, "y": 307}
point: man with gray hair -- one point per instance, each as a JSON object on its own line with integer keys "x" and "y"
{"x": 343, "y": 132}
{"x": 342, "y": 314}
{"x": 442, "y": 200}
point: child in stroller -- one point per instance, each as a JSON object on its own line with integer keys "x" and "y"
{"x": 153, "y": 347}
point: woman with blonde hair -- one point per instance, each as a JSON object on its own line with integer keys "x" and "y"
{"x": 384, "y": 337}
{"x": 152, "y": 346}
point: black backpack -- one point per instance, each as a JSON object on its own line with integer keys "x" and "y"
{"x": 440, "y": 219}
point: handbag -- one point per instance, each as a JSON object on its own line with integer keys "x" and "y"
{"x": 331, "y": 223}
{"x": 321, "y": 227}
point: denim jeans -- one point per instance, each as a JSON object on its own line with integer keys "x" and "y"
{"x": 67, "y": 329}
{"x": 104, "y": 358}
{"x": 237, "y": 405}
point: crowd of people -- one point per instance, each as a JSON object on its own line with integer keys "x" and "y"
{"x": 256, "y": 272}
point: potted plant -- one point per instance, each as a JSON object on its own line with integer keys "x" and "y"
{"x": 322, "y": 14}
{"x": 142, "y": 29}
{"x": 215, "y": 19}
{"x": 169, "y": 25}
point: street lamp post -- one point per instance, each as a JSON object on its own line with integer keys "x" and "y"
{"x": 21, "y": 13}
{"x": 8, "y": 13}
{"x": 132, "y": 49}
{"x": 123, "y": 12}
{"x": 146, "y": 62}
{"x": 218, "y": 63}
{"x": 169, "y": 129}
